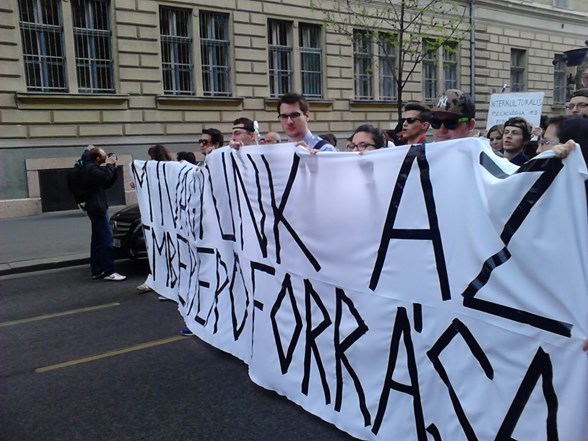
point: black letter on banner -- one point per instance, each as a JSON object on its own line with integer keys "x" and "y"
{"x": 340, "y": 357}
{"x": 238, "y": 329}
{"x": 550, "y": 168}
{"x": 170, "y": 251}
{"x": 204, "y": 283}
{"x": 259, "y": 230}
{"x": 230, "y": 235}
{"x": 433, "y": 234}
{"x": 457, "y": 327}
{"x": 402, "y": 329}
{"x": 144, "y": 177}
{"x": 311, "y": 336}
{"x": 285, "y": 360}
{"x": 279, "y": 213}
{"x": 161, "y": 166}
{"x": 540, "y": 367}
{"x": 257, "y": 266}
{"x": 182, "y": 265}
{"x": 219, "y": 288}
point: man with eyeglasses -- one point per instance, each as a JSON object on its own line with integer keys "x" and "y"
{"x": 293, "y": 113}
{"x": 578, "y": 103}
{"x": 415, "y": 123}
{"x": 453, "y": 116}
{"x": 211, "y": 139}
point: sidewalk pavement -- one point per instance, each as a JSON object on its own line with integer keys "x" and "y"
{"x": 49, "y": 240}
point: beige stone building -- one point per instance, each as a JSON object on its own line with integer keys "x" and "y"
{"x": 127, "y": 74}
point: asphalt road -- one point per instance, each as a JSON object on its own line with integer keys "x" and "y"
{"x": 95, "y": 360}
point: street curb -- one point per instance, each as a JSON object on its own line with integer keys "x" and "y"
{"x": 27, "y": 266}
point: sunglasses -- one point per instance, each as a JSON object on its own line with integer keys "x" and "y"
{"x": 292, "y": 116}
{"x": 450, "y": 124}
{"x": 203, "y": 141}
{"x": 411, "y": 120}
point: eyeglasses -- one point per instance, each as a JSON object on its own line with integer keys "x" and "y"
{"x": 360, "y": 147}
{"x": 203, "y": 141}
{"x": 409, "y": 120}
{"x": 498, "y": 138}
{"x": 571, "y": 106}
{"x": 292, "y": 116}
{"x": 450, "y": 124}
{"x": 544, "y": 142}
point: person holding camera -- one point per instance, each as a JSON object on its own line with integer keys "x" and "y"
{"x": 99, "y": 173}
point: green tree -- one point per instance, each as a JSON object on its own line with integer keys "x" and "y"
{"x": 404, "y": 31}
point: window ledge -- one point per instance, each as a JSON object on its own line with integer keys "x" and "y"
{"x": 199, "y": 103}
{"x": 32, "y": 100}
{"x": 374, "y": 104}
{"x": 314, "y": 103}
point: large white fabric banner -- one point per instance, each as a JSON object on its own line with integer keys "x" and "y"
{"x": 424, "y": 292}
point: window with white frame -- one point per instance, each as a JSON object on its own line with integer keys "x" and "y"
{"x": 93, "y": 45}
{"x": 363, "y": 64}
{"x": 559, "y": 79}
{"x": 176, "y": 51}
{"x": 280, "y": 57}
{"x": 518, "y": 62}
{"x": 387, "y": 59}
{"x": 450, "y": 65}
{"x": 430, "y": 70}
{"x": 43, "y": 48}
{"x": 311, "y": 60}
{"x": 214, "y": 53}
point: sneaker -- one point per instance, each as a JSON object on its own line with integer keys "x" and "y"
{"x": 144, "y": 287}
{"x": 115, "y": 277}
{"x": 186, "y": 332}
{"x": 98, "y": 276}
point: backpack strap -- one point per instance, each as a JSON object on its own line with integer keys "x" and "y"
{"x": 320, "y": 144}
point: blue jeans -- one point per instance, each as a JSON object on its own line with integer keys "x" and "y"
{"x": 101, "y": 251}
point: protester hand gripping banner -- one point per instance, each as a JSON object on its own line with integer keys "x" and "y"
{"x": 393, "y": 293}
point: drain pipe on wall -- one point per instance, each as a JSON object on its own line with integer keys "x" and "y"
{"x": 473, "y": 49}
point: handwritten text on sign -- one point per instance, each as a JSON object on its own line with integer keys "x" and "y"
{"x": 507, "y": 105}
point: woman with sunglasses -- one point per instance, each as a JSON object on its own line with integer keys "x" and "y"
{"x": 366, "y": 138}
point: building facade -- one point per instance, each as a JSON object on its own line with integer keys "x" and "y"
{"x": 128, "y": 74}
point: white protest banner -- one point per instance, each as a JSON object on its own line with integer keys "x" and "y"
{"x": 423, "y": 291}
{"x": 506, "y": 105}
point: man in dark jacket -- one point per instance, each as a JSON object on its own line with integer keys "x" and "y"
{"x": 97, "y": 179}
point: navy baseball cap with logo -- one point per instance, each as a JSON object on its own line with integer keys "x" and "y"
{"x": 455, "y": 102}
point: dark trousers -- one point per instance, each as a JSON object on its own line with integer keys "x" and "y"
{"x": 101, "y": 251}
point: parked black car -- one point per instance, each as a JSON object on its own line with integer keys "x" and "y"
{"x": 127, "y": 233}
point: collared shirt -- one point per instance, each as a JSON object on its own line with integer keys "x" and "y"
{"x": 311, "y": 140}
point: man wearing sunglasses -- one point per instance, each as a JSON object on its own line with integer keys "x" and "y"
{"x": 415, "y": 123}
{"x": 211, "y": 139}
{"x": 293, "y": 113}
{"x": 453, "y": 116}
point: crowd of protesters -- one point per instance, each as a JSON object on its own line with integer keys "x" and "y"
{"x": 453, "y": 116}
